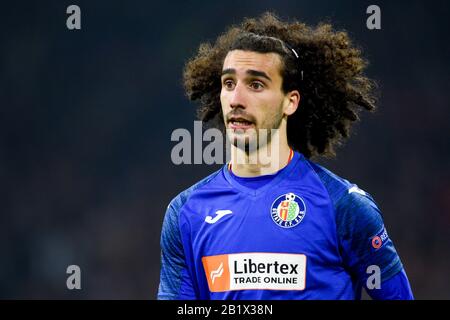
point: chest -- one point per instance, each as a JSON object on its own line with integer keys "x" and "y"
{"x": 288, "y": 219}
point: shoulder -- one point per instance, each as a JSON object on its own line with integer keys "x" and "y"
{"x": 170, "y": 229}
{"x": 359, "y": 222}
{"x": 180, "y": 200}
{"x": 341, "y": 190}
{"x": 350, "y": 201}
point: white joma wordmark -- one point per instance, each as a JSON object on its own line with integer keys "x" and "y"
{"x": 219, "y": 215}
{"x": 217, "y": 273}
{"x": 357, "y": 190}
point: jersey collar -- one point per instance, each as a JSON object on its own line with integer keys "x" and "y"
{"x": 279, "y": 178}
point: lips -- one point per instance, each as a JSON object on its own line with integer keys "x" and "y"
{"x": 240, "y": 123}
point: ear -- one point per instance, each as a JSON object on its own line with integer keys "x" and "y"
{"x": 293, "y": 101}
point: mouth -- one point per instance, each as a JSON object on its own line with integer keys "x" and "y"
{"x": 236, "y": 123}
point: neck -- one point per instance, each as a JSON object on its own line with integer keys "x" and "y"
{"x": 267, "y": 159}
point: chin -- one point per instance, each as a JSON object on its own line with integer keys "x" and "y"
{"x": 243, "y": 141}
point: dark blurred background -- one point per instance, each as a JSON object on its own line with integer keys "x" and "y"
{"x": 86, "y": 118}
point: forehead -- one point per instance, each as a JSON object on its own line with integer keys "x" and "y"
{"x": 240, "y": 60}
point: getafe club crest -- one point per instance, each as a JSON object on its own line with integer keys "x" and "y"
{"x": 288, "y": 210}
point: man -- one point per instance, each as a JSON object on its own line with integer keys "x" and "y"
{"x": 287, "y": 228}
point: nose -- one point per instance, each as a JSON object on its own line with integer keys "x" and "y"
{"x": 237, "y": 99}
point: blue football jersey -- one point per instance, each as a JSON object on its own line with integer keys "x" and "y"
{"x": 306, "y": 234}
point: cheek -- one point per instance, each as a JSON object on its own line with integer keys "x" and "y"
{"x": 224, "y": 101}
{"x": 270, "y": 109}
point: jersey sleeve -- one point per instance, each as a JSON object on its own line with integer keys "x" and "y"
{"x": 396, "y": 288}
{"x": 363, "y": 239}
{"x": 175, "y": 281}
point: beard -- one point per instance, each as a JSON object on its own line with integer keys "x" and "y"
{"x": 252, "y": 139}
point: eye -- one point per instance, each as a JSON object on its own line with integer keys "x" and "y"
{"x": 256, "y": 85}
{"x": 228, "y": 84}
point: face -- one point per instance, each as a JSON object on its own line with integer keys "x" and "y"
{"x": 252, "y": 97}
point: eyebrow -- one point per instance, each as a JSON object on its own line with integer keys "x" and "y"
{"x": 254, "y": 73}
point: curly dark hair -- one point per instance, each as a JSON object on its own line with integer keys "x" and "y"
{"x": 328, "y": 73}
